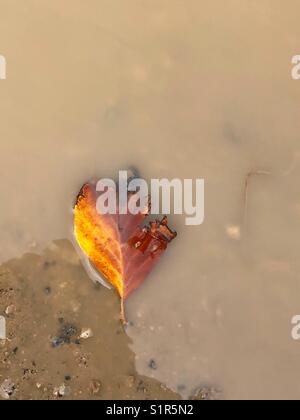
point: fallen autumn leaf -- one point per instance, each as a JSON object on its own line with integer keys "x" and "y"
{"x": 121, "y": 250}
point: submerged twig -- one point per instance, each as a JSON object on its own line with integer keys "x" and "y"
{"x": 258, "y": 172}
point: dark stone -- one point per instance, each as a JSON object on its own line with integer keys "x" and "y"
{"x": 57, "y": 342}
{"x": 65, "y": 334}
{"x": 47, "y": 290}
{"x": 152, "y": 364}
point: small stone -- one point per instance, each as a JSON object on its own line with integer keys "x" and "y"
{"x": 62, "y": 391}
{"x": 95, "y": 386}
{"x": 57, "y": 342}
{"x": 141, "y": 387}
{"x": 68, "y": 331}
{"x": 86, "y": 333}
{"x": 207, "y": 393}
{"x": 7, "y": 389}
{"x": 152, "y": 364}
{"x": 10, "y": 310}
{"x": 47, "y": 290}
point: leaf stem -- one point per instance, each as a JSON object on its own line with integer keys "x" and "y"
{"x": 122, "y": 314}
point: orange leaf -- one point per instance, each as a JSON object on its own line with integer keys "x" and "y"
{"x": 121, "y": 249}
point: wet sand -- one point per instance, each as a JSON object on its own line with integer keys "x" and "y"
{"x": 47, "y": 301}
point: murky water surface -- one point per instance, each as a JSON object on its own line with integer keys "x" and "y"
{"x": 184, "y": 89}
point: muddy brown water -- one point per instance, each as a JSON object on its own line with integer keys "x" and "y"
{"x": 178, "y": 89}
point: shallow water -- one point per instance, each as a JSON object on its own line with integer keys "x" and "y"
{"x": 178, "y": 89}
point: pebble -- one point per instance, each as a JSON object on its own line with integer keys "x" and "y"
{"x": 7, "y": 389}
{"x": 57, "y": 342}
{"x": 207, "y": 393}
{"x": 66, "y": 333}
{"x": 10, "y": 310}
{"x": 62, "y": 391}
{"x": 86, "y": 333}
{"x": 152, "y": 364}
{"x": 47, "y": 290}
{"x": 233, "y": 232}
